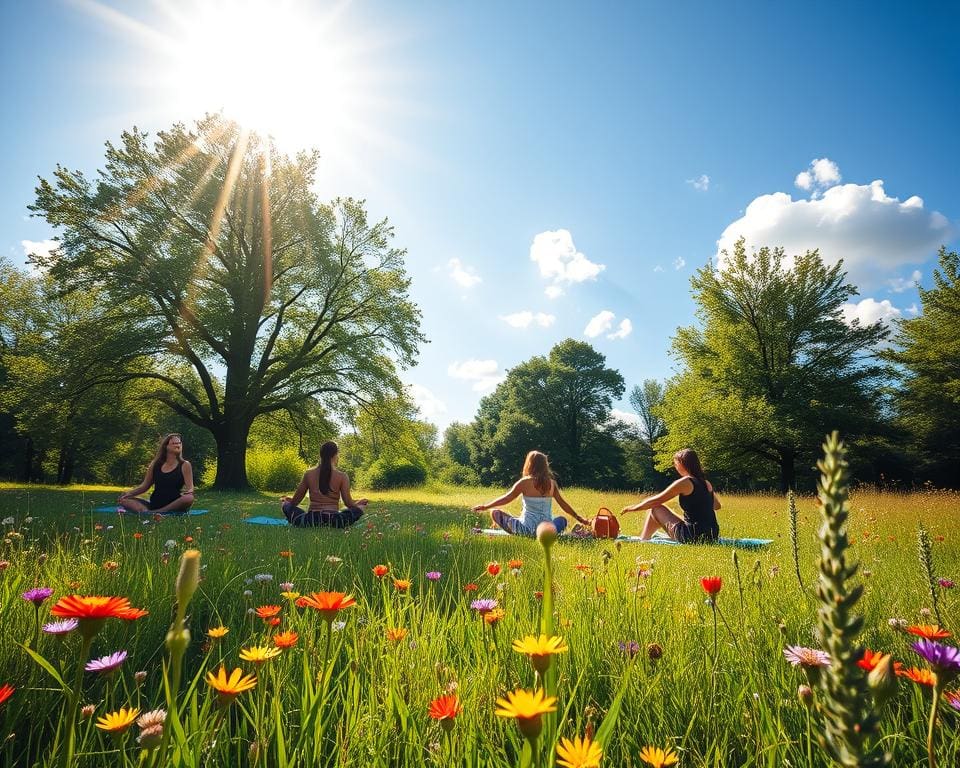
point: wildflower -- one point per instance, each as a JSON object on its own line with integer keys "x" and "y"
{"x": 483, "y": 605}
{"x": 137, "y": 535}
{"x": 928, "y": 631}
{"x": 395, "y": 635}
{"x": 433, "y": 575}
{"x": 579, "y": 753}
{"x": 188, "y": 539}
{"x": 216, "y": 633}
{"x": 492, "y": 617}
{"x": 493, "y": 568}
{"x": 644, "y": 568}
{"x": 6, "y": 691}
{"x": 37, "y": 595}
{"x": 258, "y": 654}
{"x": 286, "y": 639}
{"x": 654, "y": 651}
{"x": 119, "y": 721}
{"x": 170, "y": 544}
{"x": 540, "y": 650}
{"x": 872, "y": 658}
{"x": 152, "y": 719}
{"x": 87, "y": 710}
{"x": 711, "y": 585}
{"x": 140, "y": 676}
{"x": 247, "y": 593}
{"x": 471, "y": 587}
{"x": 338, "y": 625}
{"x": 953, "y": 699}
{"x": 882, "y": 679}
{"x": 585, "y": 570}
{"x": 805, "y": 694}
{"x": 286, "y": 586}
{"x": 9, "y": 521}
{"x": 515, "y": 565}
{"x": 810, "y": 658}
{"x": 380, "y": 571}
{"x": 107, "y": 663}
{"x": 630, "y": 647}
{"x": 919, "y": 676}
{"x": 546, "y": 534}
{"x": 658, "y": 758}
{"x": 260, "y": 578}
{"x": 402, "y": 585}
{"x": 328, "y": 604}
{"x": 111, "y": 565}
{"x": 944, "y": 659}
{"x": 151, "y": 737}
{"x": 92, "y": 612}
{"x": 290, "y": 595}
{"x": 286, "y": 553}
{"x": 229, "y": 687}
{"x": 268, "y": 611}
{"x": 897, "y": 623}
{"x": 528, "y": 708}
{"x": 945, "y": 583}
{"x": 445, "y": 710}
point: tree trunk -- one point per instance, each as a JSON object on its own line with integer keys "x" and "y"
{"x": 787, "y": 472}
{"x": 28, "y": 460}
{"x": 232, "y": 455}
{"x": 66, "y": 465}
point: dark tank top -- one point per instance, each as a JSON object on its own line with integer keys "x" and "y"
{"x": 698, "y": 510}
{"x": 166, "y": 485}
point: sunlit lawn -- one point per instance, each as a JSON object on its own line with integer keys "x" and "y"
{"x": 375, "y": 711}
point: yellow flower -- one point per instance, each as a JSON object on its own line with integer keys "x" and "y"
{"x": 290, "y": 595}
{"x": 118, "y": 722}
{"x": 492, "y": 617}
{"x": 217, "y": 632}
{"x": 658, "y": 758}
{"x": 528, "y": 708}
{"x": 579, "y": 753}
{"x": 230, "y": 687}
{"x": 540, "y": 649}
{"x": 259, "y": 653}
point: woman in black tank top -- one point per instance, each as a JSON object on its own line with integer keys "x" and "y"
{"x": 697, "y": 500}
{"x": 171, "y": 477}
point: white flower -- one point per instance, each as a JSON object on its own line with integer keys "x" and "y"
{"x": 8, "y": 521}
{"x": 338, "y": 625}
{"x": 247, "y": 593}
{"x": 286, "y": 586}
{"x": 170, "y": 544}
{"x": 28, "y": 520}
{"x": 261, "y": 577}
{"x": 334, "y": 559}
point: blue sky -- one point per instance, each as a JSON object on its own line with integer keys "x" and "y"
{"x": 636, "y": 139}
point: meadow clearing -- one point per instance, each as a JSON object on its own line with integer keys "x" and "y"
{"x": 640, "y": 670}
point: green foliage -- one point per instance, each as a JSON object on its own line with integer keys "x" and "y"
{"x": 926, "y": 360}
{"x": 458, "y": 474}
{"x": 771, "y": 367}
{"x": 394, "y": 473}
{"x": 217, "y": 256}
{"x": 559, "y": 404}
{"x": 270, "y": 469}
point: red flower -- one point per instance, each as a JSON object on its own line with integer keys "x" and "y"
{"x": 268, "y": 611}
{"x": 380, "y": 571}
{"x": 80, "y": 607}
{"x": 711, "y": 584}
{"x": 138, "y": 535}
{"x": 872, "y": 658}
{"x": 6, "y": 691}
{"x": 493, "y": 568}
{"x": 471, "y": 587}
{"x": 514, "y": 564}
{"x": 327, "y": 604}
{"x": 445, "y": 709}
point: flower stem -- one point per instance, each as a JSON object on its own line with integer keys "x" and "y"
{"x": 75, "y": 701}
{"x": 937, "y": 690}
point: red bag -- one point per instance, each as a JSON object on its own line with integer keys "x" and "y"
{"x": 605, "y": 525}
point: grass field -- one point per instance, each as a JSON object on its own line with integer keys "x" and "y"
{"x": 351, "y": 696}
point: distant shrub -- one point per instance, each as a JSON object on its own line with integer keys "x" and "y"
{"x": 457, "y": 474}
{"x": 267, "y": 469}
{"x": 384, "y": 474}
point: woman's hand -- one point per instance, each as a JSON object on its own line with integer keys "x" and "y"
{"x": 631, "y": 508}
{"x": 480, "y": 508}
{"x": 286, "y": 499}
{"x": 363, "y": 502}
{"x": 123, "y": 496}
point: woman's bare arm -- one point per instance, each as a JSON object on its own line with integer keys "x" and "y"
{"x": 345, "y": 494}
{"x": 505, "y": 499}
{"x": 147, "y": 482}
{"x": 565, "y": 506}
{"x": 299, "y": 493}
{"x": 187, "y": 479}
{"x": 671, "y": 491}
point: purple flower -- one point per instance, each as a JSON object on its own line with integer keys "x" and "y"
{"x": 945, "y": 583}
{"x": 806, "y": 657}
{"x": 943, "y": 659}
{"x": 37, "y": 595}
{"x": 61, "y": 627}
{"x": 433, "y": 575}
{"x": 107, "y": 663}
{"x": 483, "y": 605}
{"x": 630, "y": 648}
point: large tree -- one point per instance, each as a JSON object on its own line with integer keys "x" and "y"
{"x": 772, "y": 367}
{"x": 927, "y": 361}
{"x": 559, "y": 404}
{"x": 224, "y": 261}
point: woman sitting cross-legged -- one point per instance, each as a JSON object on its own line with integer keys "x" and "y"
{"x": 697, "y": 500}
{"x": 537, "y": 488}
{"x": 171, "y": 477}
{"x": 326, "y": 485}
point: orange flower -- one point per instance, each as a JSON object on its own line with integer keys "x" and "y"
{"x": 402, "y": 584}
{"x": 188, "y": 539}
{"x": 492, "y": 617}
{"x": 133, "y": 613}
{"x": 228, "y": 687}
{"x": 586, "y": 570}
{"x": 872, "y": 658}
{"x": 919, "y": 676}
{"x": 471, "y": 587}
{"x": 94, "y": 608}
{"x": 514, "y": 564}
{"x": 395, "y": 635}
{"x": 327, "y": 603}
{"x": 493, "y": 568}
{"x": 111, "y": 565}
{"x": 286, "y": 553}
{"x": 138, "y": 535}
{"x": 928, "y": 631}
{"x": 445, "y": 709}
{"x": 266, "y": 611}
{"x": 274, "y": 622}
{"x": 286, "y": 639}
{"x": 380, "y": 571}
{"x": 300, "y": 602}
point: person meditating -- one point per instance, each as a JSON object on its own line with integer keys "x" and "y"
{"x": 536, "y": 488}
{"x": 326, "y": 485}
{"x": 697, "y": 500}
{"x": 171, "y": 477}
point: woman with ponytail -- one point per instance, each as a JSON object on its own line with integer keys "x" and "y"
{"x": 697, "y": 500}
{"x": 537, "y": 489}
{"x": 326, "y": 485}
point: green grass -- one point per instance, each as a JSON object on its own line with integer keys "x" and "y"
{"x": 370, "y": 708}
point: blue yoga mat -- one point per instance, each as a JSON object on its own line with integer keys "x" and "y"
{"x": 264, "y": 520}
{"x": 112, "y": 510}
{"x": 742, "y": 543}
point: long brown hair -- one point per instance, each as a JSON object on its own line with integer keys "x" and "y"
{"x": 327, "y": 451}
{"x": 688, "y": 459}
{"x": 537, "y": 466}
{"x": 162, "y": 451}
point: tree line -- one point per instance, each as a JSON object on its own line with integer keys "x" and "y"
{"x": 199, "y": 286}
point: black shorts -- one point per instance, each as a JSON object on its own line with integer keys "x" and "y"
{"x": 302, "y": 519}
{"x": 687, "y": 533}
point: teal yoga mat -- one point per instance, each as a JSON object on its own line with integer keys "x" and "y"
{"x": 264, "y": 520}
{"x": 724, "y": 542}
{"x": 112, "y": 510}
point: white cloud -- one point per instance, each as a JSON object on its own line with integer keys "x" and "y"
{"x": 869, "y": 311}
{"x": 912, "y": 310}
{"x": 623, "y": 330}
{"x": 804, "y": 180}
{"x": 553, "y": 291}
{"x": 627, "y": 417}
{"x": 901, "y": 284}
{"x": 525, "y": 318}
{"x": 560, "y": 261}
{"x": 679, "y": 262}
{"x": 430, "y": 406}
{"x": 38, "y": 248}
{"x": 485, "y": 374}
{"x": 658, "y": 268}
{"x": 873, "y": 233}
{"x": 599, "y": 323}
{"x": 822, "y": 174}
{"x": 701, "y": 183}
{"x": 463, "y": 275}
